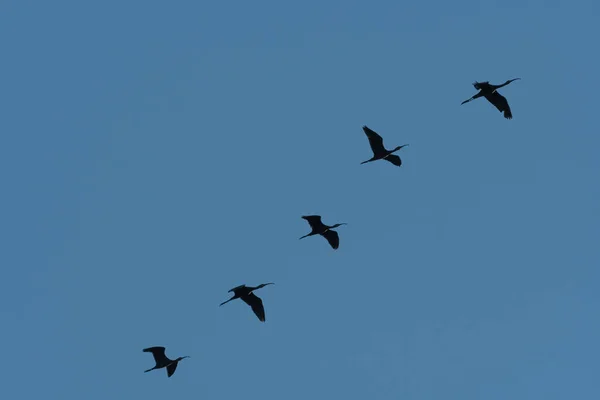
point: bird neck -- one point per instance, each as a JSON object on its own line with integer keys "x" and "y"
{"x": 262, "y": 285}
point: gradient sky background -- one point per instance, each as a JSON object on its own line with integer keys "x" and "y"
{"x": 154, "y": 155}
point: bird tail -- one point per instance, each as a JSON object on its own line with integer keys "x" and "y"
{"x": 148, "y": 370}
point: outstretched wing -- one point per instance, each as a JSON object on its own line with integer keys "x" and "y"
{"x": 481, "y": 85}
{"x": 314, "y": 221}
{"x": 375, "y": 140}
{"x": 236, "y": 288}
{"x": 500, "y": 103}
{"x": 332, "y": 237}
{"x": 257, "y": 305}
{"x": 171, "y": 369}
{"x": 394, "y": 159}
{"x": 158, "y": 352}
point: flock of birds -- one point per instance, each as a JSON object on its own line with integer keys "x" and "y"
{"x": 246, "y": 293}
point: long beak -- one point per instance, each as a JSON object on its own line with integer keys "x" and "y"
{"x": 466, "y": 101}
{"x": 304, "y": 236}
{"x": 364, "y": 162}
{"x": 265, "y": 284}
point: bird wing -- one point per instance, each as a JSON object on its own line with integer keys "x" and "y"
{"x": 332, "y": 237}
{"x": 314, "y": 221}
{"x": 236, "y": 288}
{"x": 257, "y": 305}
{"x": 482, "y": 85}
{"x": 500, "y": 103}
{"x": 171, "y": 369}
{"x": 375, "y": 140}
{"x": 158, "y": 352}
{"x": 394, "y": 159}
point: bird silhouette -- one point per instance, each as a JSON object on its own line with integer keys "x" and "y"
{"x": 246, "y": 294}
{"x": 379, "y": 151}
{"x": 319, "y": 228}
{"x": 490, "y": 92}
{"x": 162, "y": 361}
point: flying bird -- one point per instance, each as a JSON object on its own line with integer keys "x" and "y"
{"x": 163, "y": 361}
{"x": 319, "y": 228}
{"x": 379, "y": 151}
{"x": 490, "y": 92}
{"x": 246, "y": 294}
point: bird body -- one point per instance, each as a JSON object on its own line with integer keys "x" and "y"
{"x": 162, "y": 361}
{"x": 246, "y": 294}
{"x": 490, "y": 92}
{"x": 379, "y": 151}
{"x": 319, "y": 228}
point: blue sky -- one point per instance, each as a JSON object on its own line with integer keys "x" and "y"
{"x": 154, "y": 155}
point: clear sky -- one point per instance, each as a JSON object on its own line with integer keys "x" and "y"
{"x": 154, "y": 155}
